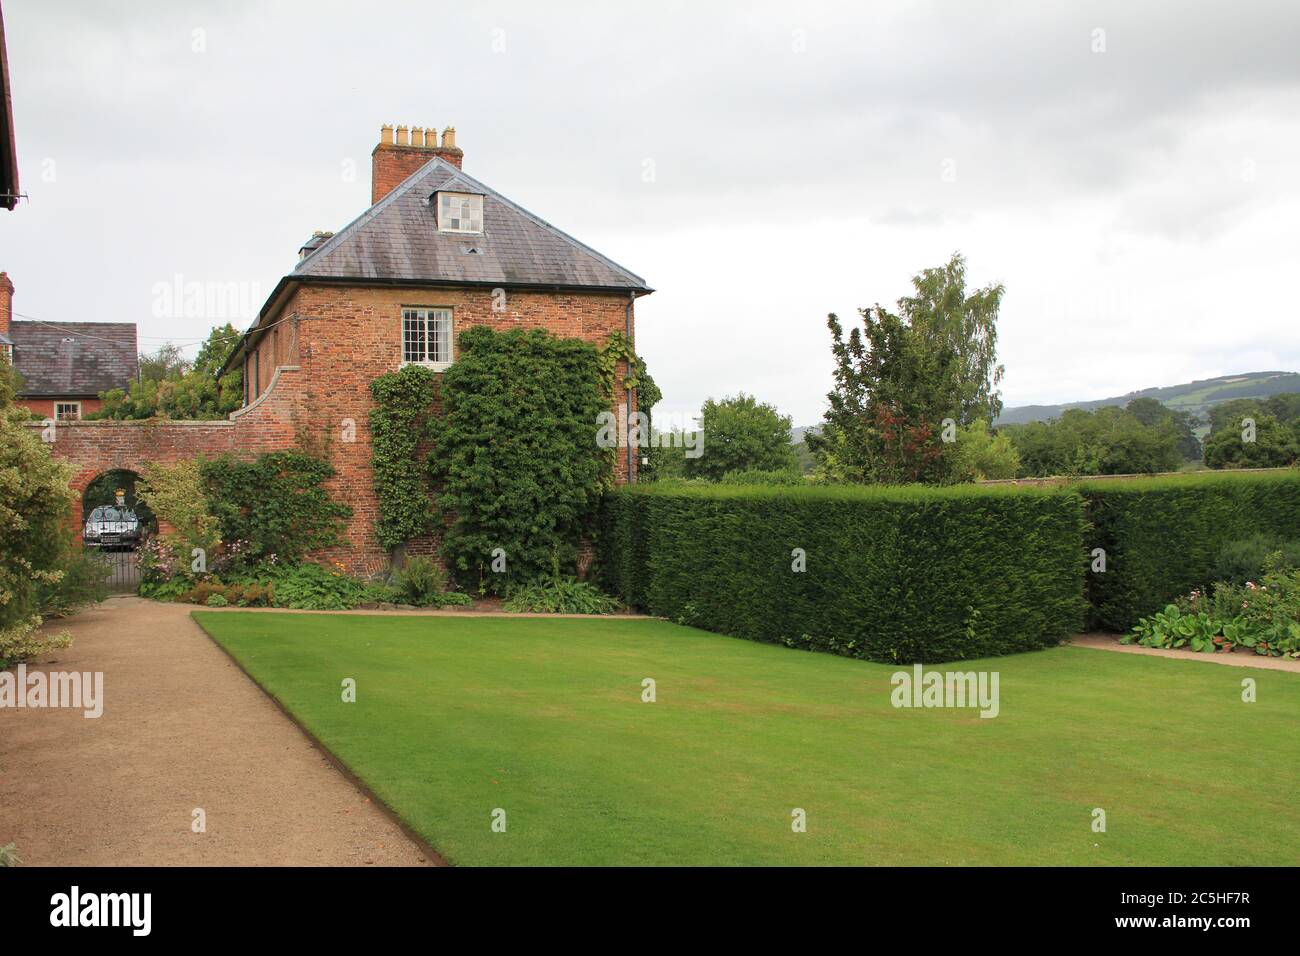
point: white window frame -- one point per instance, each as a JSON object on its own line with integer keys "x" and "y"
{"x": 444, "y": 221}
{"x": 75, "y": 418}
{"x": 415, "y": 336}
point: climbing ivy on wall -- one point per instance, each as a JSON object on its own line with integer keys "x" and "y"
{"x": 398, "y": 422}
{"x": 515, "y": 454}
{"x": 275, "y": 504}
{"x": 618, "y": 348}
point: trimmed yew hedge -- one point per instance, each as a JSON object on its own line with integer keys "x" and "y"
{"x": 1162, "y": 535}
{"x": 893, "y": 574}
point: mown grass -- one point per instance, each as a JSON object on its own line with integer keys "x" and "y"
{"x": 456, "y": 717}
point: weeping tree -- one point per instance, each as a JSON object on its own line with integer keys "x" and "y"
{"x": 903, "y": 373}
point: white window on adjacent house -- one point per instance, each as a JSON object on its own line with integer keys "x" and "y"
{"x": 460, "y": 212}
{"x": 67, "y": 411}
{"x": 426, "y": 336}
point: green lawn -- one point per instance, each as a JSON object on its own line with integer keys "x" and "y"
{"x": 458, "y": 716}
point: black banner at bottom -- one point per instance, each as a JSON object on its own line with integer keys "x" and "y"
{"x": 220, "y": 905}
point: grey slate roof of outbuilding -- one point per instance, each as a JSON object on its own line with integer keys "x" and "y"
{"x": 398, "y": 239}
{"x": 74, "y": 358}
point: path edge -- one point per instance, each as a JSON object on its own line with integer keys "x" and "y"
{"x": 437, "y": 858}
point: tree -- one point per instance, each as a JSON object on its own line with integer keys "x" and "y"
{"x": 1285, "y": 407}
{"x": 1259, "y": 441}
{"x": 170, "y": 386}
{"x": 983, "y": 454}
{"x": 1108, "y": 441}
{"x": 1151, "y": 412}
{"x": 213, "y": 353}
{"x": 904, "y": 378}
{"x": 740, "y": 434}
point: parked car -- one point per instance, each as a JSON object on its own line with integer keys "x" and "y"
{"x": 111, "y": 527}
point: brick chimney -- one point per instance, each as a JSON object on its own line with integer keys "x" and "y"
{"x": 403, "y": 150}
{"x": 6, "y": 302}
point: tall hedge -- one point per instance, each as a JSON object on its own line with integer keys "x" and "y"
{"x": 892, "y": 574}
{"x": 1161, "y": 535}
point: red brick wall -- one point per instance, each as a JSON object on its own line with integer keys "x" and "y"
{"x": 334, "y": 343}
{"x": 391, "y": 165}
{"x": 93, "y": 448}
{"x": 347, "y": 337}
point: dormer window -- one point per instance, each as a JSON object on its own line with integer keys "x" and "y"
{"x": 460, "y": 212}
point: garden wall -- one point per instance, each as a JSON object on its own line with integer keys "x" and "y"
{"x": 890, "y": 574}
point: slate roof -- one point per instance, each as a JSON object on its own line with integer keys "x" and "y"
{"x": 74, "y": 358}
{"x": 398, "y": 239}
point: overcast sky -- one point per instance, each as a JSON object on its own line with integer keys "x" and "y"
{"x": 1127, "y": 170}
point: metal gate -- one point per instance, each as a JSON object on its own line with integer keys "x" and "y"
{"x": 112, "y": 533}
{"x": 121, "y": 569}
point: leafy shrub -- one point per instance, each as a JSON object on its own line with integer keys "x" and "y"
{"x": 9, "y": 855}
{"x": 84, "y": 581}
{"x": 176, "y": 494}
{"x": 560, "y": 596}
{"x": 1162, "y": 537}
{"x": 1246, "y": 559}
{"x": 216, "y": 600}
{"x": 897, "y": 574}
{"x": 315, "y": 588}
{"x": 1262, "y": 617}
{"x": 380, "y": 593}
{"x": 22, "y": 641}
{"x": 420, "y": 581}
{"x": 276, "y": 504}
{"x": 34, "y": 506}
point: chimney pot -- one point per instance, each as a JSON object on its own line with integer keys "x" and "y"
{"x": 404, "y": 149}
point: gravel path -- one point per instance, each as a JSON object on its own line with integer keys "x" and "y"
{"x": 182, "y": 729}
{"x": 1239, "y": 658}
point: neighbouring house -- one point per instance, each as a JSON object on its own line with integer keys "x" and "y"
{"x": 65, "y": 366}
{"x": 436, "y": 252}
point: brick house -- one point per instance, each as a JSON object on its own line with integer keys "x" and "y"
{"x": 436, "y": 252}
{"x": 64, "y": 367}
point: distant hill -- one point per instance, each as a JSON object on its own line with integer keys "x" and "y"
{"x": 1195, "y": 397}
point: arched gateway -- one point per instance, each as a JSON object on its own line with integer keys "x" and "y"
{"x": 95, "y": 448}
